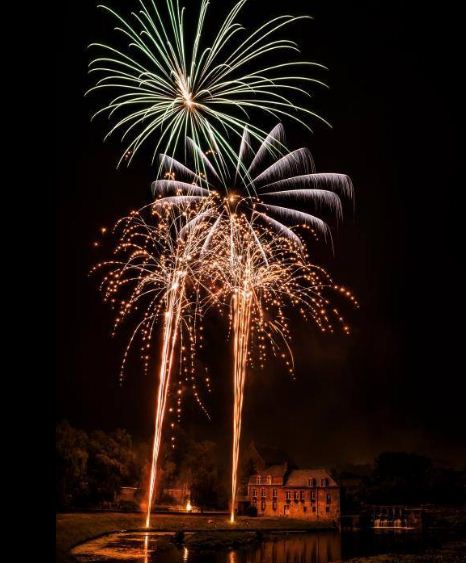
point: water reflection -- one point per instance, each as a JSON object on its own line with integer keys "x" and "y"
{"x": 316, "y": 547}
{"x": 310, "y": 548}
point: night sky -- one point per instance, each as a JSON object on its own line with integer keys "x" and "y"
{"x": 396, "y": 382}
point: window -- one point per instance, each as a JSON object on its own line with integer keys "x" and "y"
{"x": 263, "y": 493}
{"x": 269, "y": 479}
{"x": 296, "y": 495}
{"x": 263, "y": 505}
{"x": 311, "y": 482}
{"x": 254, "y": 501}
{"x": 313, "y": 496}
{"x": 274, "y": 505}
{"x": 274, "y": 493}
{"x": 302, "y": 495}
{"x": 254, "y": 493}
{"x": 329, "y": 499}
{"x": 258, "y": 480}
{"x": 288, "y": 495}
{"x": 324, "y": 482}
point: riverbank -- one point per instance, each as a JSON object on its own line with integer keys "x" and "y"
{"x": 75, "y": 528}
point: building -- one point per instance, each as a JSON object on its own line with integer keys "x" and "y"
{"x": 274, "y": 486}
{"x": 310, "y": 494}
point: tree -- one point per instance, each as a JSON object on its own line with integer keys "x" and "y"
{"x": 91, "y": 468}
{"x": 111, "y": 464}
{"x": 71, "y": 465}
{"x": 200, "y": 469}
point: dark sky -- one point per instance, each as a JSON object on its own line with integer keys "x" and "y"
{"x": 396, "y": 383}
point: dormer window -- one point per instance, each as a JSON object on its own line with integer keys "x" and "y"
{"x": 324, "y": 482}
{"x": 258, "y": 480}
{"x": 311, "y": 482}
{"x": 269, "y": 479}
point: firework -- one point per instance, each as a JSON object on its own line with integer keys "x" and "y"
{"x": 156, "y": 275}
{"x": 200, "y": 253}
{"x": 163, "y": 83}
{"x": 260, "y": 275}
{"x": 263, "y": 247}
{"x": 261, "y": 185}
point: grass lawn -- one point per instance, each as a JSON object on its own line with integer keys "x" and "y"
{"x": 75, "y": 528}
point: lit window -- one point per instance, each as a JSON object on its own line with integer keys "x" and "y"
{"x": 269, "y": 479}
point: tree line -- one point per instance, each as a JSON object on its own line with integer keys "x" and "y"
{"x": 91, "y": 468}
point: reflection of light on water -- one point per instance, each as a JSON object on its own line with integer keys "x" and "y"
{"x": 146, "y": 548}
{"x": 138, "y": 547}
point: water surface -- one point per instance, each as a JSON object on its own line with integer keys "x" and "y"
{"x": 312, "y": 547}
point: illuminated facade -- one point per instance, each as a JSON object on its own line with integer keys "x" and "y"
{"x": 310, "y": 494}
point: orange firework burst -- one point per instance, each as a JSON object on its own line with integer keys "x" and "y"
{"x": 259, "y": 275}
{"x": 185, "y": 252}
{"x": 157, "y": 273}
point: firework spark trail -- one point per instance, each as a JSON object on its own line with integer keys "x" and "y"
{"x": 170, "y": 335}
{"x": 260, "y": 274}
{"x": 162, "y": 266}
{"x": 242, "y": 306}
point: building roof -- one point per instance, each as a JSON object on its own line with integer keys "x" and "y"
{"x": 300, "y": 477}
{"x": 273, "y": 471}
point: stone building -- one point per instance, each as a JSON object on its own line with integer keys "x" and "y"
{"x": 310, "y": 494}
{"x": 281, "y": 489}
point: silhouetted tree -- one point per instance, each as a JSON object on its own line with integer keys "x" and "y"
{"x": 91, "y": 468}
{"x": 71, "y": 465}
{"x": 200, "y": 467}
